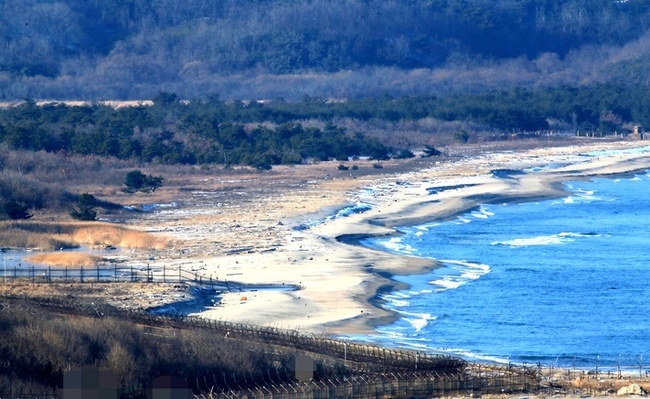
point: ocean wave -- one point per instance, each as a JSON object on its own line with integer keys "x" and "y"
{"x": 458, "y": 273}
{"x": 359, "y": 207}
{"x": 395, "y": 245}
{"x": 472, "y": 356}
{"x": 482, "y": 213}
{"x": 399, "y": 303}
{"x": 419, "y": 320}
{"x": 447, "y": 283}
{"x": 554, "y": 239}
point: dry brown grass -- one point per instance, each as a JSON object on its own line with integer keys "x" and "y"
{"x": 51, "y": 236}
{"x": 72, "y": 259}
{"x": 106, "y": 234}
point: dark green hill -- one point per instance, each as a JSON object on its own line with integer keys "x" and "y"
{"x": 74, "y": 49}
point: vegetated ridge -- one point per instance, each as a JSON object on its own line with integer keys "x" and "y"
{"x": 132, "y": 49}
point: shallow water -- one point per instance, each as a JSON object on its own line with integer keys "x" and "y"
{"x": 561, "y": 282}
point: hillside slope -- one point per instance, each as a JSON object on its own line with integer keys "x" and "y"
{"x": 132, "y": 49}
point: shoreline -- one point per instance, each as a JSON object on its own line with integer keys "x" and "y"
{"x": 343, "y": 281}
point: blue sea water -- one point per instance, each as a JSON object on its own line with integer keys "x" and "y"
{"x": 561, "y": 282}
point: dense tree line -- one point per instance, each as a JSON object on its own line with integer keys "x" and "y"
{"x": 265, "y": 134}
{"x": 597, "y": 107}
{"x": 172, "y": 132}
{"x": 121, "y": 49}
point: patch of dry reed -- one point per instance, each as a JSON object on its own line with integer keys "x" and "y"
{"x": 72, "y": 259}
{"x": 52, "y": 236}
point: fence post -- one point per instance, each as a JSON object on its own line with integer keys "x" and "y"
{"x": 164, "y": 273}
{"x": 115, "y": 272}
{"x": 49, "y": 274}
{"x": 81, "y": 274}
{"x": 180, "y": 280}
{"x": 32, "y": 274}
{"x": 97, "y": 268}
{"x": 132, "y": 276}
{"x": 65, "y": 273}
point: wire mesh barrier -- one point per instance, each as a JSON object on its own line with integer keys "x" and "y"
{"x": 114, "y": 273}
{"x": 345, "y": 369}
{"x": 391, "y": 385}
{"x": 355, "y": 356}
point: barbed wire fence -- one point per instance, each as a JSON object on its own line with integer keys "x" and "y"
{"x": 348, "y": 369}
{"x": 114, "y": 273}
{"x": 361, "y": 370}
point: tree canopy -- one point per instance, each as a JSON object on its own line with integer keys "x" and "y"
{"x": 138, "y": 181}
{"x": 85, "y": 209}
{"x": 15, "y": 211}
{"x": 270, "y": 133}
{"x": 133, "y": 48}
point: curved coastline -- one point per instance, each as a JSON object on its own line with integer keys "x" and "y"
{"x": 342, "y": 281}
{"x": 523, "y": 186}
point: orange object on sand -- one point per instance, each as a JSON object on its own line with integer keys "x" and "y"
{"x": 244, "y": 298}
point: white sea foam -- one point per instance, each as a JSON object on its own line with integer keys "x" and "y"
{"x": 469, "y": 355}
{"x": 555, "y": 239}
{"x": 458, "y": 273}
{"x": 485, "y": 211}
{"x": 418, "y": 320}
{"x": 587, "y": 193}
{"x": 447, "y": 283}
{"x": 359, "y": 207}
{"x": 400, "y": 303}
{"x": 395, "y": 244}
{"x": 399, "y": 294}
{"x": 418, "y": 324}
{"x": 479, "y": 215}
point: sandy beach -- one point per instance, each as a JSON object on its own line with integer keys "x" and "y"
{"x": 340, "y": 281}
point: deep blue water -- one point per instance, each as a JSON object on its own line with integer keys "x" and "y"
{"x": 561, "y": 282}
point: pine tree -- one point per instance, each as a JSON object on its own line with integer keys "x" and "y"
{"x": 85, "y": 209}
{"x": 138, "y": 181}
